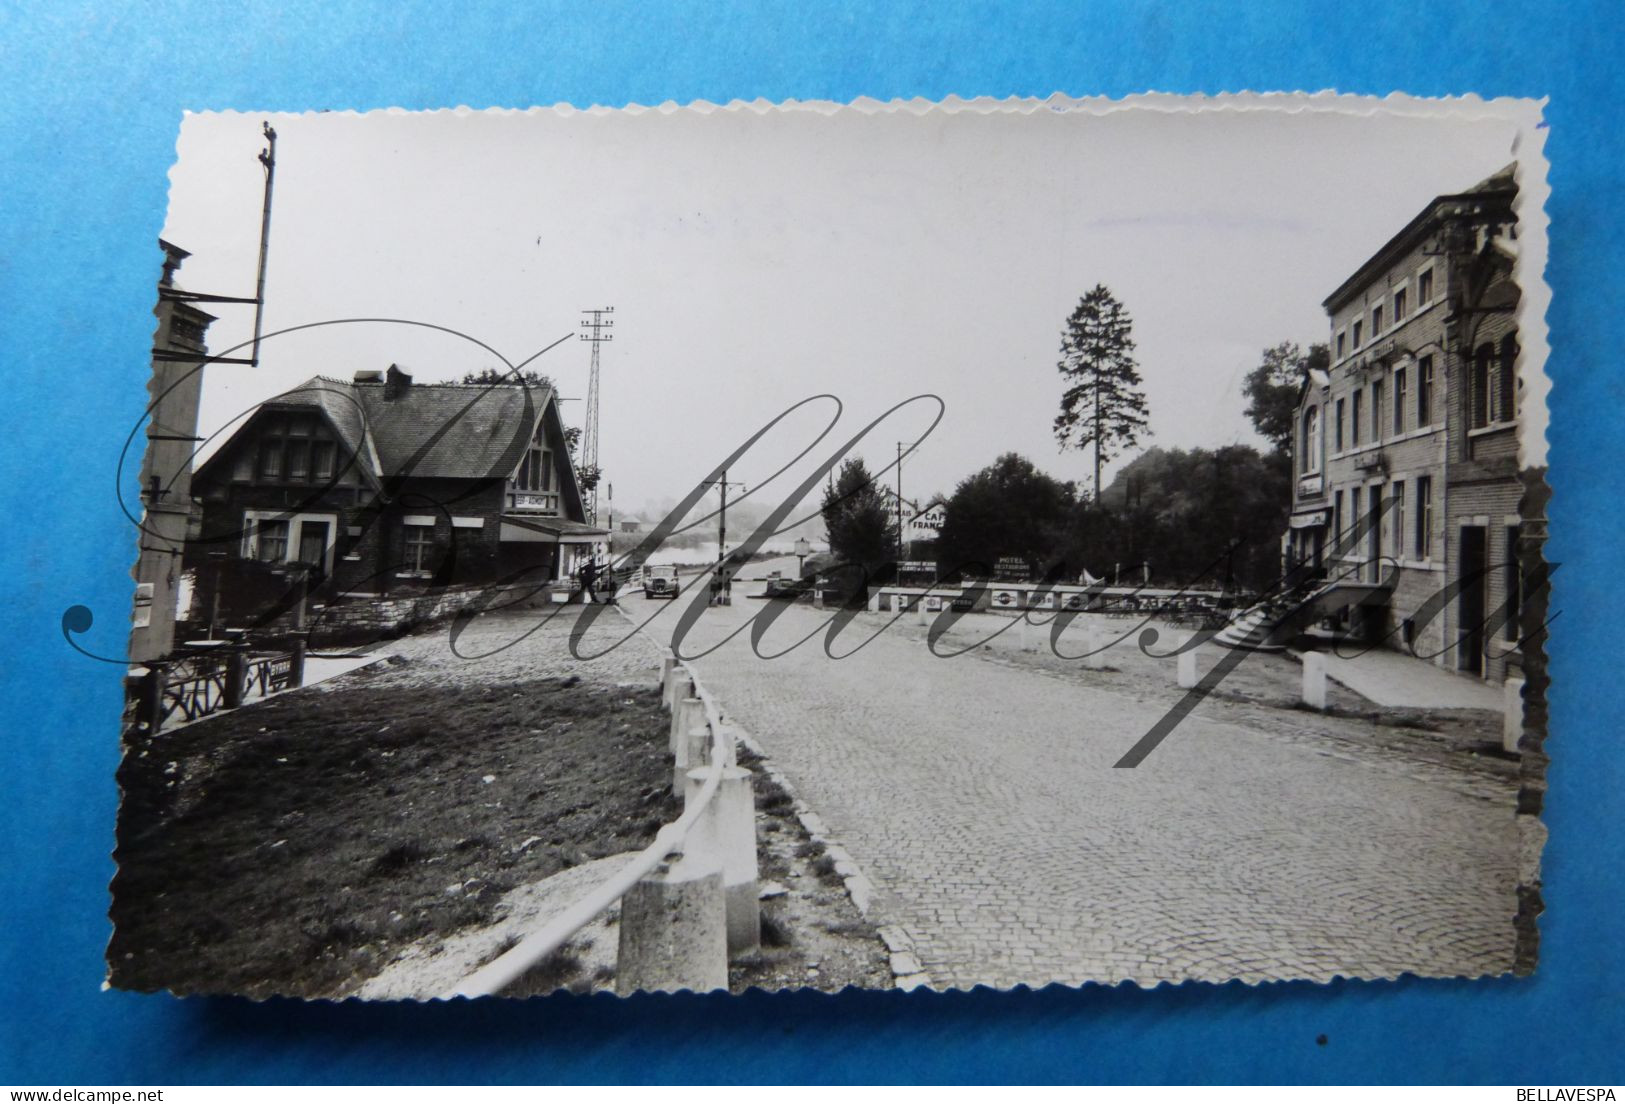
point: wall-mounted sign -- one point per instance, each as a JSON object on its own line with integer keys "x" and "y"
{"x": 1011, "y": 567}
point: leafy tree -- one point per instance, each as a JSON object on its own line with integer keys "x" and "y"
{"x": 862, "y": 531}
{"x": 1202, "y": 515}
{"x": 1103, "y": 405}
{"x": 1272, "y": 389}
{"x": 1009, "y": 508}
{"x": 530, "y": 376}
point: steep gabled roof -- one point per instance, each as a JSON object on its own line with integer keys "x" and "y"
{"x": 452, "y": 430}
{"x": 428, "y": 430}
{"x": 338, "y": 401}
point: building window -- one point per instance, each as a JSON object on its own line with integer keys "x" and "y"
{"x": 1376, "y": 410}
{"x": 1424, "y": 391}
{"x": 1507, "y": 408}
{"x": 1337, "y": 517}
{"x": 1338, "y": 431}
{"x": 1400, "y": 305}
{"x": 419, "y": 549}
{"x": 321, "y": 460}
{"x": 1376, "y": 322}
{"x": 298, "y": 460}
{"x": 1399, "y": 519}
{"x": 1355, "y": 333}
{"x": 1311, "y": 440}
{"x": 1481, "y": 385}
{"x": 1424, "y": 517}
{"x": 534, "y": 470}
{"x": 1354, "y": 519}
{"x": 271, "y": 458}
{"x": 242, "y": 469}
{"x": 1399, "y": 401}
{"x": 1424, "y": 286}
{"x": 271, "y": 545}
{"x": 1354, "y": 421}
{"x": 1342, "y": 344}
{"x": 1514, "y": 579}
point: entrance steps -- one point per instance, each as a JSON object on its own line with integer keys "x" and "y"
{"x": 1275, "y": 622}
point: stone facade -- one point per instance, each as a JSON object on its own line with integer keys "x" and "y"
{"x": 1412, "y": 434}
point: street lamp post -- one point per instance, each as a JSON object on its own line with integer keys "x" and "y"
{"x": 802, "y": 548}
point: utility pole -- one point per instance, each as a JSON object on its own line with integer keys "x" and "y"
{"x": 722, "y": 529}
{"x": 268, "y": 159}
{"x": 179, "y": 355}
{"x": 899, "y": 504}
{"x": 595, "y": 327}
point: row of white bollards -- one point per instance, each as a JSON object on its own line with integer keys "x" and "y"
{"x": 681, "y": 923}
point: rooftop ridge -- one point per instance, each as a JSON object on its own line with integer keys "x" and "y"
{"x": 451, "y": 385}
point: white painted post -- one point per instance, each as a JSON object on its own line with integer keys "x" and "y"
{"x": 668, "y": 665}
{"x": 726, "y": 744}
{"x": 674, "y": 932}
{"x": 694, "y": 750}
{"x": 874, "y": 601}
{"x": 727, "y": 831}
{"x": 818, "y": 597}
{"x": 919, "y": 609}
{"x": 689, "y": 712}
{"x": 1314, "y": 681}
{"x": 1093, "y": 638}
{"x": 1512, "y": 715}
{"x": 1187, "y": 664}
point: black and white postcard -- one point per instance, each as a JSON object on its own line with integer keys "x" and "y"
{"x": 809, "y": 545}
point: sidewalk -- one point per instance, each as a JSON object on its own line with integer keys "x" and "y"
{"x": 1387, "y": 677}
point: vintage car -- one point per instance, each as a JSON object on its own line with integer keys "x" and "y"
{"x": 659, "y": 581}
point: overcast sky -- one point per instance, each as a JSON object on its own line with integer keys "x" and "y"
{"x": 755, "y": 260}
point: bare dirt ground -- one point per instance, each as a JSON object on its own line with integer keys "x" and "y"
{"x": 812, "y": 934}
{"x": 292, "y": 848}
{"x": 417, "y": 813}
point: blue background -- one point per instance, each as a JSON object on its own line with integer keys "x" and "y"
{"x": 90, "y": 102}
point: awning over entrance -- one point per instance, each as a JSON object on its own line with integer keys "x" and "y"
{"x": 547, "y": 530}
{"x": 1311, "y": 520}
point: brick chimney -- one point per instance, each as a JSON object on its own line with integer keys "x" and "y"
{"x": 396, "y": 383}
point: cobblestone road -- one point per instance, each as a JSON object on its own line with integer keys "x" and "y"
{"x": 982, "y": 801}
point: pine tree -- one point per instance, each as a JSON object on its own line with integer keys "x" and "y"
{"x": 1103, "y": 404}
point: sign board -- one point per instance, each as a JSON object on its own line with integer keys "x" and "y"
{"x": 1041, "y": 599}
{"x": 1006, "y": 599}
{"x": 1011, "y": 568}
{"x": 933, "y": 603}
